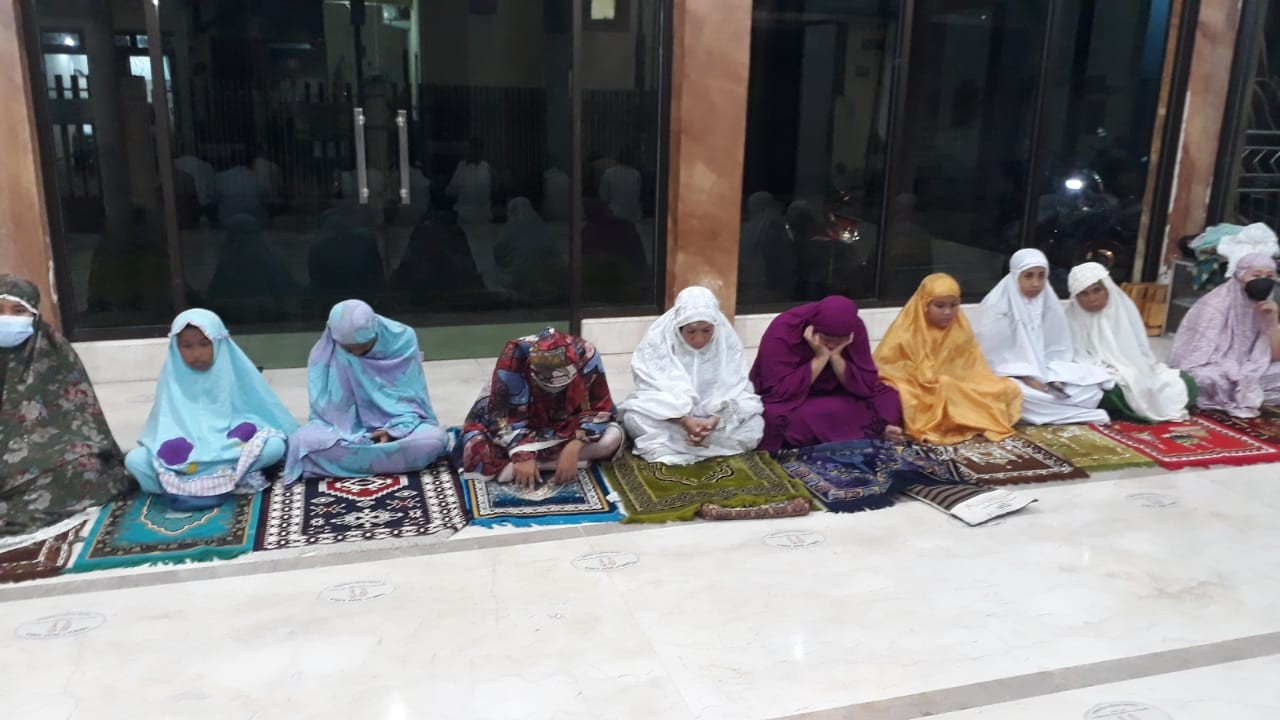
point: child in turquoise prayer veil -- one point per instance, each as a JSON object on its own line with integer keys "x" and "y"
{"x": 216, "y": 424}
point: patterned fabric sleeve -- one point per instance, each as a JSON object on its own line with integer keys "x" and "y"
{"x": 599, "y": 410}
{"x": 509, "y": 397}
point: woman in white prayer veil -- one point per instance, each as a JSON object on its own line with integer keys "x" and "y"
{"x": 692, "y": 399}
{"x": 1024, "y": 334}
{"x": 1108, "y": 332}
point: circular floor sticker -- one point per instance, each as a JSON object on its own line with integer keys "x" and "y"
{"x": 60, "y": 626}
{"x": 1151, "y": 500}
{"x": 1125, "y": 711}
{"x": 604, "y": 561}
{"x": 358, "y": 591}
{"x": 793, "y": 539}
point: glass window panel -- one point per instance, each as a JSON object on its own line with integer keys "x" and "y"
{"x": 59, "y": 71}
{"x": 960, "y": 180}
{"x": 276, "y": 225}
{"x": 60, "y": 39}
{"x": 814, "y": 166}
{"x": 1100, "y": 107}
{"x": 112, "y": 218}
{"x": 268, "y": 192}
{"x": 603, "y": 9}
{"x": 621, "y": 82}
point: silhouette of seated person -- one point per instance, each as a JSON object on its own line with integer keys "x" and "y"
{"x": 129, "y": 272}
{"x": 344, "y": 261}
{"x": 767, "y": 268}
{"x": 534, "y": 262}
{"x": 613, "y": 259}
{"x": 437, "y": 267}
{"x": 251, "y": 281}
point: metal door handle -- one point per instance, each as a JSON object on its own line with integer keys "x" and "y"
{"x": 402, "y": 125}
{"x": 362, "y": 172}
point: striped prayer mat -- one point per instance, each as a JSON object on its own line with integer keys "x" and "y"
{"x": 974, "y": 504}
{"x": 1084, "y": 447}
{"x": 1010, "y": 461}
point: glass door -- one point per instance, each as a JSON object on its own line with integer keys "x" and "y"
{"x": 281, "y": 197}
{"x": 959, "y": 174}
{"x": 482, "y": 108}
{"x": 412, "y": 154}
{"x": 435, "y": 158}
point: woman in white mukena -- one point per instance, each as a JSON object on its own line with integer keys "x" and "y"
{"x": 692, "y": 399}
{"x": 1108, "y": 332}
{"x": 1023, "y": 332}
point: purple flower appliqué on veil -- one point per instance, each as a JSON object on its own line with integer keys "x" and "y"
{"x": 243, "y": 432}
{"x": 175, "y": 451}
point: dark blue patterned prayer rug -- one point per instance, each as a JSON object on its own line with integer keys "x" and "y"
{"x": 337, "y": 510}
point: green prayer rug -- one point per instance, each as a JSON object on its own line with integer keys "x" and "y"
{"x": 654, "y": 492}
{"x": 145, "y": 530}
{"x": 1084, "y": 447}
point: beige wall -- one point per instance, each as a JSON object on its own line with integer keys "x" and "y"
{"x": 712, "y": 57}
{"x": 24, "y": 226}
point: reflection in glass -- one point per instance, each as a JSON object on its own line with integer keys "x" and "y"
{"x": 408, "y": 178}
{"x": 959, "y": 183}
{"x": 1100, "y": 105}
{"x": 813, "y": 178}
{"x": 620, "y": 79}
{"x": 101, "y": 130}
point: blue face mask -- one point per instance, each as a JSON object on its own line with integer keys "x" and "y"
{"x": 15, "y": 329}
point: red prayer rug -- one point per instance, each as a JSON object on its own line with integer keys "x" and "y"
{"x": 1265, "y": 427}
{"x": 1194, "y": 443}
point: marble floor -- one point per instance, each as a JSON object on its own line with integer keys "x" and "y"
{"x": 1094, "y": 603}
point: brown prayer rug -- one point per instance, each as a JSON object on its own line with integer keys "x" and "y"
{"x": 42, "y": 558}
{"x": 1009, "y": 461}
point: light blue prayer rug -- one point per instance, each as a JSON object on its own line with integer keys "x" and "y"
{"x": 144, "y": 529}
{"x": 584, "y": 500}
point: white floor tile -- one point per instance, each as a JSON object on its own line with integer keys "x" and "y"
{"x": 710, "y": 622}
{"x": 1242, "y": 690}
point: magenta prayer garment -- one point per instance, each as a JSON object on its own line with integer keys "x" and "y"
{"x": 798, "y": 413}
